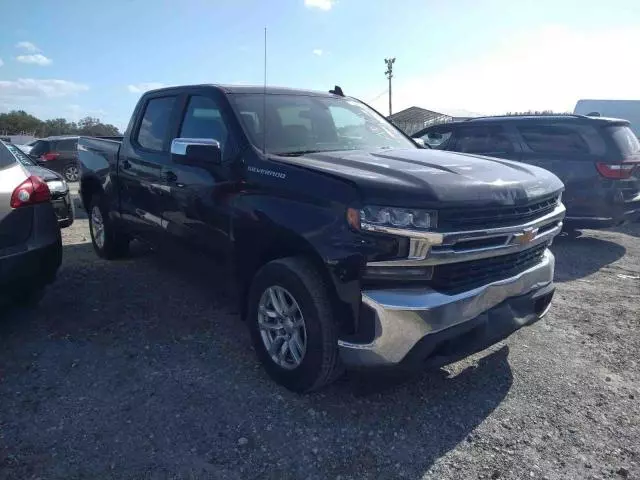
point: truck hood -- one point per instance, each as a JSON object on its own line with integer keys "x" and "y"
{"x": 421, "y": 177}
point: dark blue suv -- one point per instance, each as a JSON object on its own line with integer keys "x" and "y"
{"x": 598, "y": 159}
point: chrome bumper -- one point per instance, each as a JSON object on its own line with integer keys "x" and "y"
{"x": 404, "y": 317}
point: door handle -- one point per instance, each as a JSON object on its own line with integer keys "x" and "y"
{"x": 126, "y": 164}
{"x": 169, "y": 176}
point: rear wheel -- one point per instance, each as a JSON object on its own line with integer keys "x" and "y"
{"x": 291, "y": 324}
{"x": 108, "y": 241}
{"x": 71, "y": 173}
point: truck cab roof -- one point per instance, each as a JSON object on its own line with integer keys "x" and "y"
{"x": 249, "y": 89}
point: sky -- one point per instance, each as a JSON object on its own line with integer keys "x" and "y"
{"x": 74, "y": 58}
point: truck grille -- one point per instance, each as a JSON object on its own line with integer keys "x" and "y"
{"x": 452, "y": 277}
{"x": 474, "y": 218}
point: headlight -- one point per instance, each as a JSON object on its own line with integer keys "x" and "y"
{"x": 372, "y": 218}
{"x": 560, "y": 199}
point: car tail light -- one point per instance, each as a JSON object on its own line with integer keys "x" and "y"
{"x": 49, "y": 156}
{"x": 616, "y": 171}
{"x": 33, "y": 190}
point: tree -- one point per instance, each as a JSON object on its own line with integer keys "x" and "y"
{"x": 93, "y": 127}
{"x": 58, "y": 126}
{"x": 19, "y": 122}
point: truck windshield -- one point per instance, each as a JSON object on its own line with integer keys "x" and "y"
{"x": 298, "y": 124}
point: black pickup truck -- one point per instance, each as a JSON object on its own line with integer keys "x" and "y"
{"x": 350, "y": 245}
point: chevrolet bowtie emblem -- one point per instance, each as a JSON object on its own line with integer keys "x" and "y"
{"x": 526, "y": 236}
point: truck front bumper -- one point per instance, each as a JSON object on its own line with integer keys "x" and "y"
{"x": 422, "y": 327}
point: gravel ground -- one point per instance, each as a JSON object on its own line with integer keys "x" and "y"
{"x": 141, "y": 369}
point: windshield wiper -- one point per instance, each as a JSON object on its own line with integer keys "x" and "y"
{"x": 297, "y": 153}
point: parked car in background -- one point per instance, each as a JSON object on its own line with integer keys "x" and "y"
{"x": 350, "y": 244}
{"x": 625, "y": 109}
{"x": 60, "y": 194}
{"x": 59, "y": 154}
{"x": 598, "y": 159}
{"x": 30, "y": 241}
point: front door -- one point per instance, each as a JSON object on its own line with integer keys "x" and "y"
{"x": 197, "y": 212}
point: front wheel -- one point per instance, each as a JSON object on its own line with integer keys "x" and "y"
{"x": 291, "y": 324}
{"x": 107, "y": 240}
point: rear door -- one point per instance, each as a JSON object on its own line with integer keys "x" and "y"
{"x": 569, "y": 150}
{"x": 144, "y": 156}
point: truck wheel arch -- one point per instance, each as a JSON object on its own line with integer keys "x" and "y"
{"x": 89, "y": 186}
{"x": 248, "y": 265}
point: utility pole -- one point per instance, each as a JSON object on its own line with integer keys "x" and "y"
{"x": 389, "y": 74}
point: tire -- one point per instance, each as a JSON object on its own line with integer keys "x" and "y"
{"x": 71, "y": 173}
{"x": 66, "y": 223}
{"x": 107, "y": 240}
{"x": 320, "y": 363}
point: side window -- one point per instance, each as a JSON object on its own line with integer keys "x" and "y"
{"x": 483, "y": 140}
{"x": 203, "y": 119}
{"x": 41, "y": 147}
{"x": 562, "y": 139}
{"x": 437, "y": 138}
{"x": 155, "y": 123}
{"x": 66, "y": 145}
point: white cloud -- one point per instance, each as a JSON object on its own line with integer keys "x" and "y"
{"x": 318, "y": 52}
{"x": 36, "y": 59}
{"x": 319, "y": 4}
{"x": 28, "y": 46}
{"x": 30, "y": 88}
{"x": 550, "y": 68}
{"x": 144, "y": 87}
{"x": 1, "y": 62}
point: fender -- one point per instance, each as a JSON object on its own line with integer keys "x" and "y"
{"x": 275, "y": 216}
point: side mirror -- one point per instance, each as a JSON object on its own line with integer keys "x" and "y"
{"x": 420, "y": 142}
{"x": 196, "y": 151}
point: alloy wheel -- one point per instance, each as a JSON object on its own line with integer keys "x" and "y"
{"x": 282, "y": 327}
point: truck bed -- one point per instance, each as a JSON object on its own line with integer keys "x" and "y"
{"x": 98, "y": 154}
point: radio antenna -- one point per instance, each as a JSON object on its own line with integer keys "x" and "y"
{"x": 264, "y": 98}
